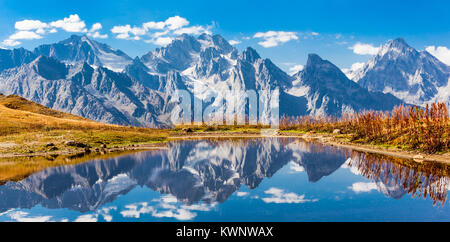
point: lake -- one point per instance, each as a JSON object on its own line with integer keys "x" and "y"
{"x": 266, "y": 179}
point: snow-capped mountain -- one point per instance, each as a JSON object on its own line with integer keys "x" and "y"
{"x": 96, "y": 93}
{"x": 329, "y": 91}
{"x": 414, "y": 76}
{"x": 81, "y": 77}
{"x": 81, "y": 48}
{"x": 15, "y": 57}
{"x": 193, "y": 172}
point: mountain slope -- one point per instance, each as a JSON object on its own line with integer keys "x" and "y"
{"x": 95, "y": 93}
{"x": 330, "y": 92}
{"x": 14, "y": 58}
{"x": 82, "y": 49}
{"x": 414, "y": 76}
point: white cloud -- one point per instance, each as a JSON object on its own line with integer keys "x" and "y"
{"x": 350, "y": 72}
{"x": 125, "y": 32}
{"x": 27, "y": 35}
{"x": 280, "y": 196}
{"x": 234, "y": 42}
{"x": 34, "y": 29}
{"x": 94, "y": 31}
{"x": 95, "y": 27}
{"x": 274, "y": 38}
{"x": 154, "y": 25}
{"x": 364, "y": 49}
{"x": 353, "y": 169}
{"x": 442, "y": 53}
{"x": 71, "y": 24}
{"x": 176, "y": 22}
{"x": 159, "y": 33}
{"x": 135, "y": 210}
{"x": 163, "y": 41}
{"x": 315, "y": 34}
{"x": 359, "y": 187}
{"x": 97, "y": 35}
{"x": 296, "y": 68}
{"x": 10, "y": 42}
{"x": 30, "y": 25}
{"x": 87, "y": 218}
{"x": 196, "y": 30}
{"x": 294, "y": 167}
{"x": 165, "y": 207}
{"x": 121, "y": 31}
{"x": 104, "y": 212}
{"x": 21, "y": 216}
{"x": 242, "y": 194}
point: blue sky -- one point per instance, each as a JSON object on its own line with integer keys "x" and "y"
{"x": 284, "y": 31}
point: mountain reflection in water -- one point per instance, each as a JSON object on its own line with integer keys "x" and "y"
{"x": 209, "y": 172}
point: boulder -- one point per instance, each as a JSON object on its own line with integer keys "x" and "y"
{"x": 75, "y": 144}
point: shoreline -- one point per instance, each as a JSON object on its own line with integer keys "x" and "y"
{"x": 327, "y": 139}
{"x": 136, "y": 147}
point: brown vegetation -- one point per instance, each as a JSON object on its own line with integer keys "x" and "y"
{"x": 27, "y": 127}
{"x": 426, "y": 129}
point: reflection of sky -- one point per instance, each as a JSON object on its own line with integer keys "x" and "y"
{"x": 286, "y": 196}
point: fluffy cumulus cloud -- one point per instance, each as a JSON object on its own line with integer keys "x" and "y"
{"x": 442, "y": 53}
{"x": 280, "y": 196}
{"x": 159, "y": 33}
{"x": 71, "y": 24}
{"x": 234, "y": 42}
{"x": 22, "y": 216}
{"x": 360, "y": 187}
{"x": 364, "y": 49}
{"x": 94, "y": 217}
{"x": 30, "y": 29}
{"x": 295, "y": 168}
{"x": 165, "y": 207}
{"x": 274, "y": 38}
{"x": 26, "y": 35}
{"x": 242, "y": 194}
{"x": 350, "y": 72}
{"x": 30, "y": 25}
{"x": 295, "y": 68}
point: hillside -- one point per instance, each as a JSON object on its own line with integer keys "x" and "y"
{"x": 28, "y": 127}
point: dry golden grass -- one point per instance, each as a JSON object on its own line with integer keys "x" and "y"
{"x": 18, "y": 168}
{"x": 27, "y": 126}
{"x": 426, "y": 129}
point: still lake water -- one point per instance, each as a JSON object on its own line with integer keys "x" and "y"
{"x": 268, "y": 179}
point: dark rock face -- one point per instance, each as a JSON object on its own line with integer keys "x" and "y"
{"x": 330, "y": 92}
{"x": 15, "y": 57}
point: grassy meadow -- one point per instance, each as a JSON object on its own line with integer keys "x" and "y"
{"x": 27, "y": 127}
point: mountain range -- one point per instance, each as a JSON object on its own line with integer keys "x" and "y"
{"x": 184, "y": 171}
{"x": 87, "y": 78}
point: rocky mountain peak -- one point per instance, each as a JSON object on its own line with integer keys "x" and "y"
{"x": 250, "y": 55}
